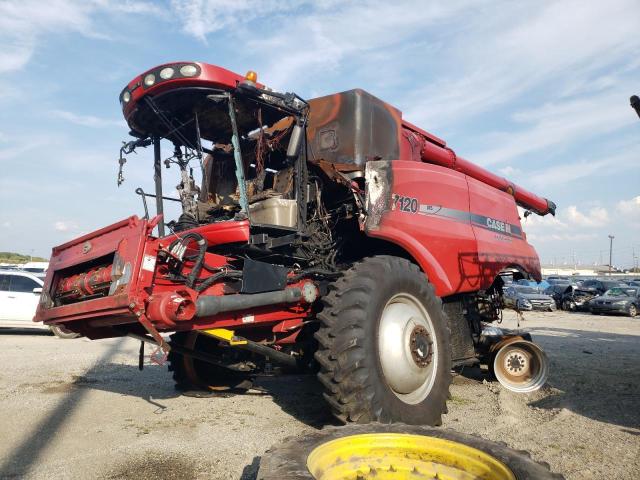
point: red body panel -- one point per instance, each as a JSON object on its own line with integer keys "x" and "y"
{"x": 210, "y": 76}
{"x": 457, "y": 220}
{"x": 461, "y": 231}
{"x": 149, "y": 293}
{"x": 441, "y": 155}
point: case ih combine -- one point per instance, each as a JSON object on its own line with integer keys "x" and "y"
{"x": 328, "y": 229}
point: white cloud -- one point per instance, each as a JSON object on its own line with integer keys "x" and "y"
{"x": 6, "y": 224}
{"x": 24, "y": 22}
{"x": 567, "y": 222}
{"x": 65, "y": 226}
{"x": 629, "y": 206}
{"x": 560, "y": 237}
{"x": 560, "y": 123}
{"x": 629, "y": 211}
{"x": 595, "y": 217}
{"x": 87, "y": 120}
{"x": 551, "y": 177}
{"x": 507, "y": 49}
{"x": 509, "y": 171}
{"x": 202, "y": 17}
{"x": 297, "y": 41}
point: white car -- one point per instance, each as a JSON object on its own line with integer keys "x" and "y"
{"x": 19, "y": 295}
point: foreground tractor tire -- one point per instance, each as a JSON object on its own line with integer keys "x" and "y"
{"x": 62, "y": 332}
{"x": 397, "y": 451}
{"x": 384, "y": 348}
{"x": 195, "y": 375}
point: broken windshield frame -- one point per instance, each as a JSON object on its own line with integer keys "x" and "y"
{"x": 185, "y": 133}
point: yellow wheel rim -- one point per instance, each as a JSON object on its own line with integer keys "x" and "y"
{"x": 385, "y": 456}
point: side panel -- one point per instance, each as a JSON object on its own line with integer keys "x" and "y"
{"x": 425, "y": 210}
{"x": 501, "y": 240}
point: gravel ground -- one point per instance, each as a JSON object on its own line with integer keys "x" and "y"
{"x": 79, "y": 409}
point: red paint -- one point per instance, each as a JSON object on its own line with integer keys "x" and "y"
{"x": 441, "y": 155}
{"x": 468, "y": 232}
{"x": 210, "y": 76}
{"x": 456, "y": 254}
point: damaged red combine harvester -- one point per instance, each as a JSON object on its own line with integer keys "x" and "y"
{"x": 328, "y": 234}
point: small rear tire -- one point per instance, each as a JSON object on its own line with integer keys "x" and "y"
{"x": 192, "y": 374}
{"x": 61, "y": 332}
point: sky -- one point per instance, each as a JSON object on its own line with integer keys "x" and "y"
{"x": 535, "y": 91}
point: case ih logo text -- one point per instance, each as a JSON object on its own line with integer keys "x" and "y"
{"x": 498, "y": 225}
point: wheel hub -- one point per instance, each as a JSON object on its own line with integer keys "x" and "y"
{"x": 516, "y": 363}
{"x": 421, "y": 343}
{"x": 406, "y": 348}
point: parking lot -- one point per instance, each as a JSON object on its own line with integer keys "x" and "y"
{"x": 81, "y": 409}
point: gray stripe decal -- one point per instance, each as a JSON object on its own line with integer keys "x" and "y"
{"x": 488, "y": 223}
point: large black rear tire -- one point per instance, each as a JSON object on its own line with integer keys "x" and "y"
{"x": 384, "y": 348}
{"x": 191, "y": 374}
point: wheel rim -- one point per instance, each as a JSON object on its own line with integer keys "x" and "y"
{"x": 632, "y": 311}
{"x": 407, "y": 348}
{"x": 402, "y": 456}
{"x": 521, "y": 367}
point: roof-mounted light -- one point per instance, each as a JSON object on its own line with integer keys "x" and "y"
{"x": 167, "y": 73}
{"x": 126, "y": 96}
{"x": 188, "y": 70}
{"x": 251, "y": 76}
{"x": 149, "y": 79}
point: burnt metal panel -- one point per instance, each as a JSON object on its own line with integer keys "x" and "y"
{"x": 379, "y": 181}
{"x": 353, "y": 127}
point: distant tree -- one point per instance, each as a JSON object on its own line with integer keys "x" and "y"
{"x": 12, "y": 257}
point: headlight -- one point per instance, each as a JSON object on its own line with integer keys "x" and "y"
{"x": 188, "y": 70}
{"x": 149, "y": 79}
{"x": 167, "y": 73}
{"x": 524, "y": 302}
{"x": 126, "y": 96}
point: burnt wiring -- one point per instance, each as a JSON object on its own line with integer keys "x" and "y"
{"x": 320, "y": 245}
{"x": 264, "y": 144}
{"x": 185, "y": 222}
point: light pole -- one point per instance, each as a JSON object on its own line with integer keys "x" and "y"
{"x": 611, "y": 237}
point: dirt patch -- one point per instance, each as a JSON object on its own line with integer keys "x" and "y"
{"x": 154, "y": 465}
{"x": 91, "y": 413}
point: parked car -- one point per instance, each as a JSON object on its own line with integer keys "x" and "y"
{"x": 557, "y": 291}
{"x": 19, "y": 296}
{"x": 617, "y": 300}
{"x": 532, "y": 283}
{"x": 35, "y": 267}
{"x": 600, "y": 286}
{"x": 575, "y": 299}
{"x": 521, "y": 297}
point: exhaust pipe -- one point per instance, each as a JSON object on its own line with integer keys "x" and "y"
{"x": 519, "y": 365}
